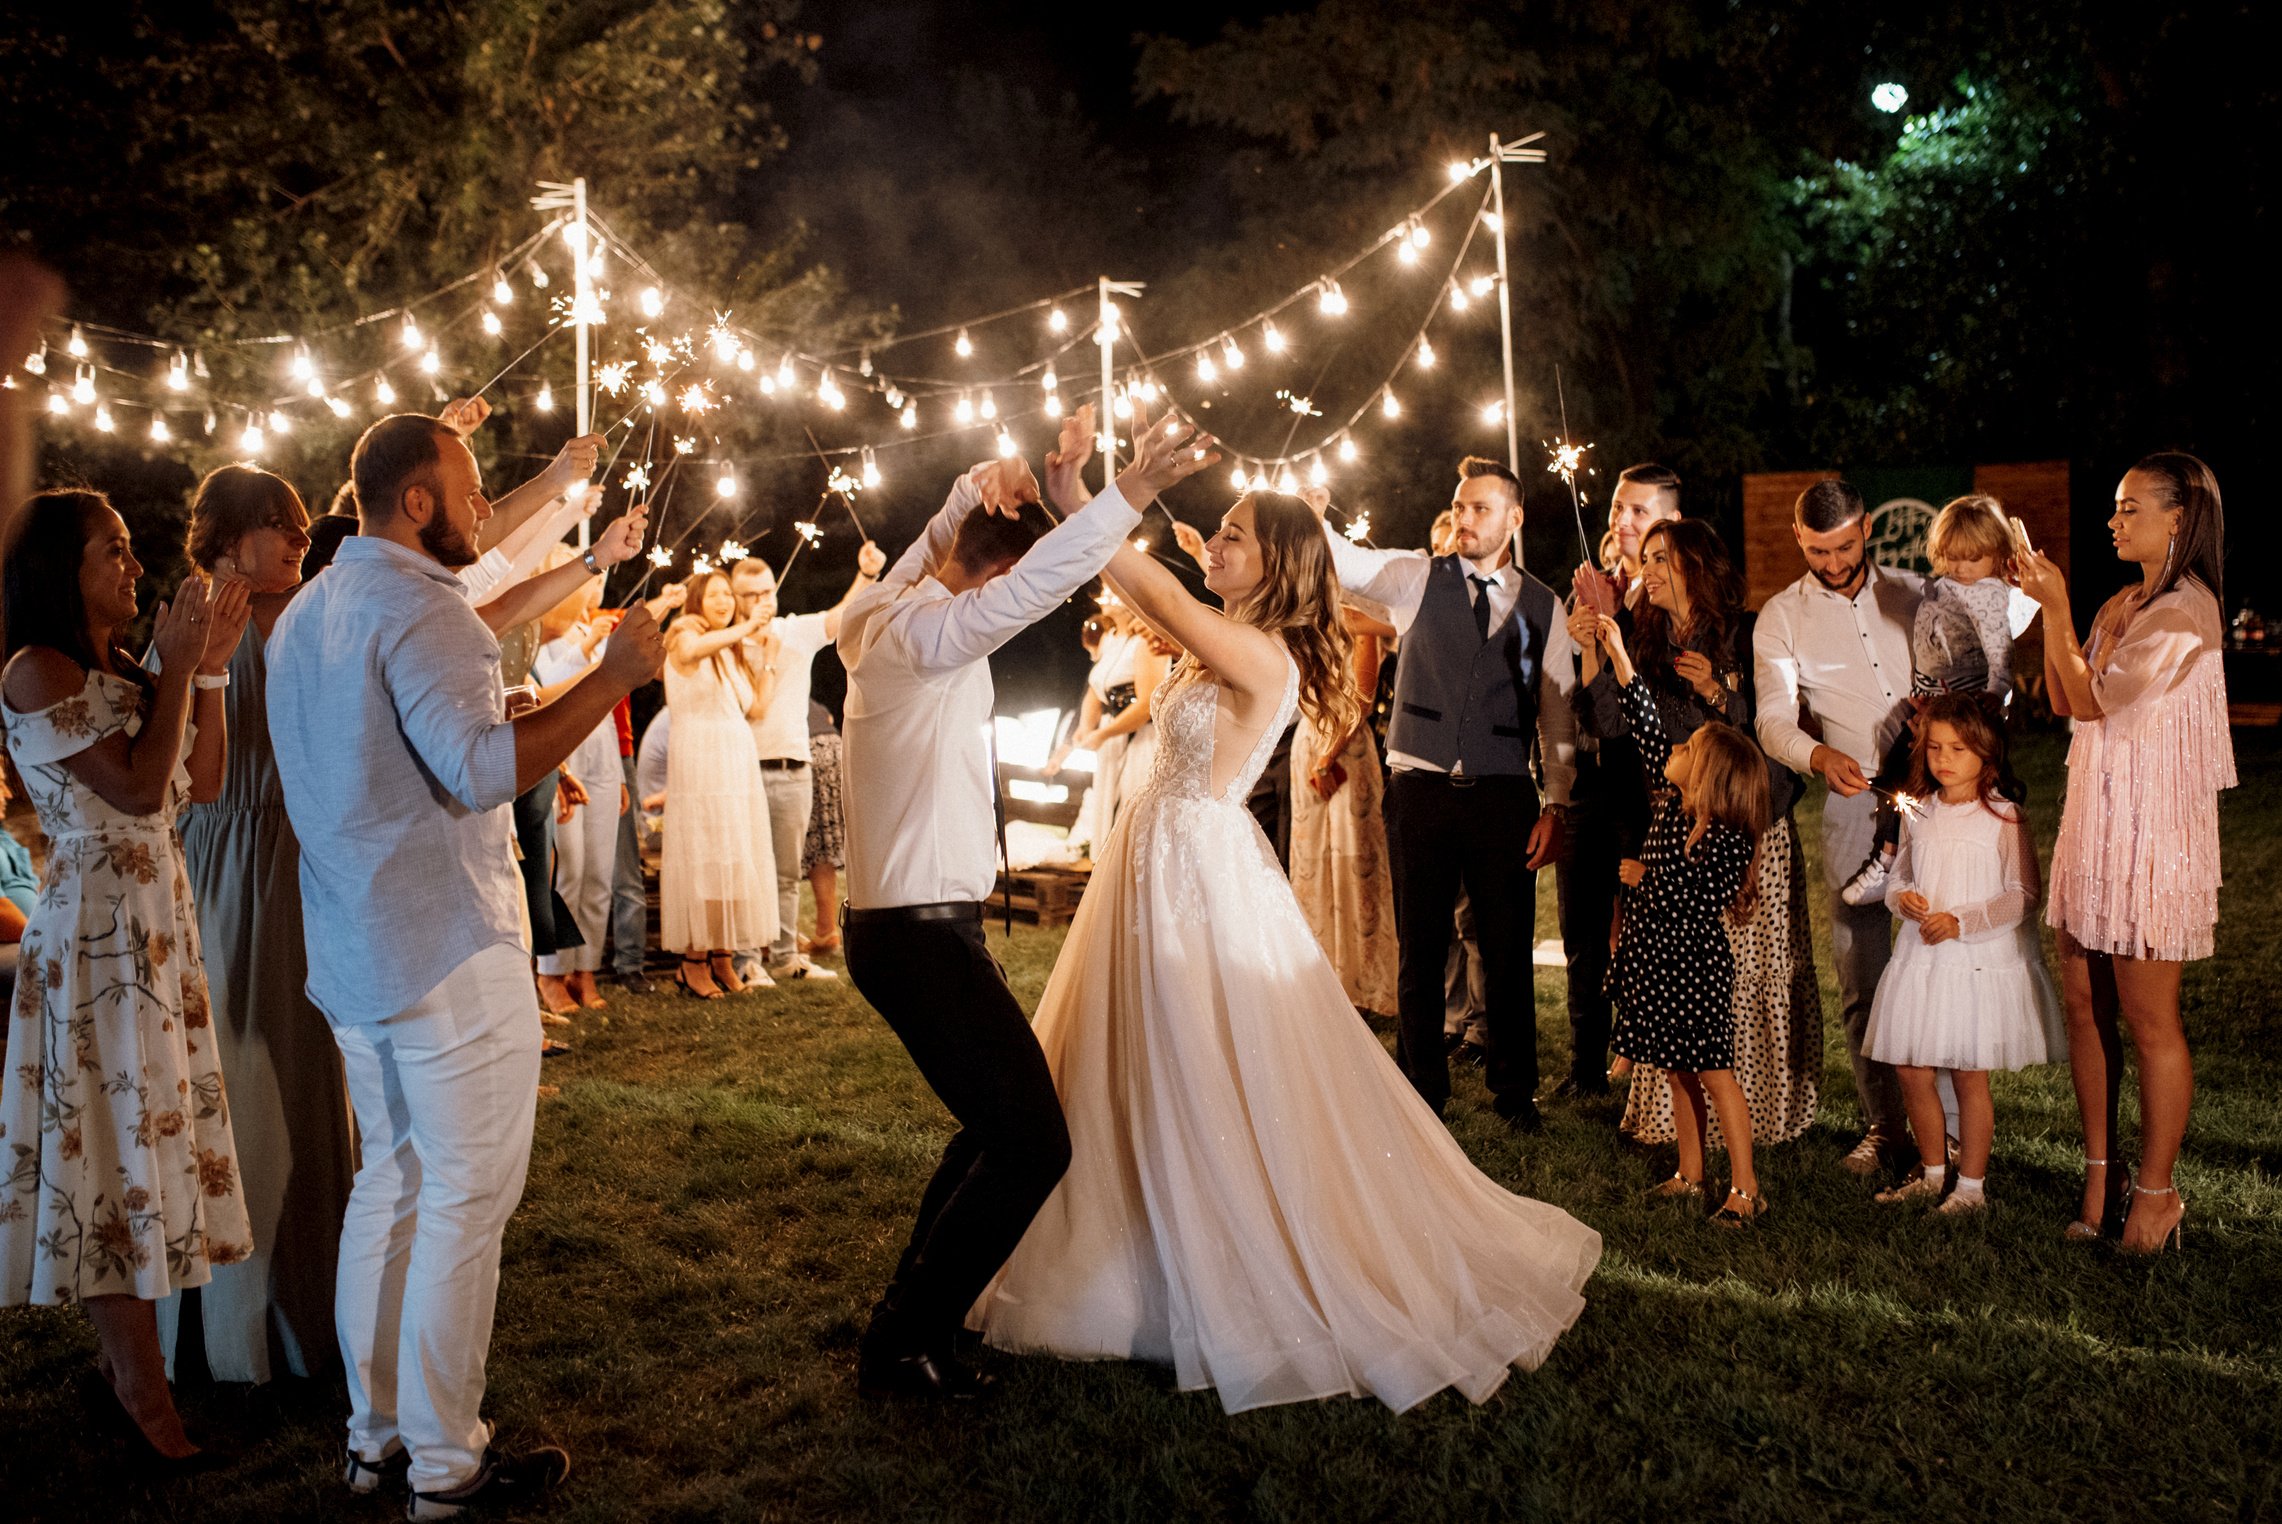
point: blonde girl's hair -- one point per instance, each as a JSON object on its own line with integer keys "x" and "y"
{"x": 1297, "y": 601}
{"x": 1967, "y": 529}
{"x": 1731, "y": 790}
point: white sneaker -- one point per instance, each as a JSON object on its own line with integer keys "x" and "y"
{"x": 1959, "y": 1203}
{"x": 1868, "y": 885}
{"x": 798, "y": 967}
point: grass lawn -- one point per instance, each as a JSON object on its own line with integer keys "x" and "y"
{"x": 722, "y": 1187}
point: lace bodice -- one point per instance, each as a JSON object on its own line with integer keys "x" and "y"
{"x": 1187, "y": 717}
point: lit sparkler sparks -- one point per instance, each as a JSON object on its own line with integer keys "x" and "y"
{"x": 637, "y": 477}
{"x": 697, "y": 400}
{"x": 733, "y": 551}
{"x": 1359, "y": 528}
{"x": 660, "y": 557}
{"x": 812, "y": 532}
{"x": 612, "y": 377}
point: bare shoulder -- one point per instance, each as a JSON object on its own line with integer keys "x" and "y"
{"x": 39, "y": 676}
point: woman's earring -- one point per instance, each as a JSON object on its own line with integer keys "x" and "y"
{"x": 2170, "y": 549}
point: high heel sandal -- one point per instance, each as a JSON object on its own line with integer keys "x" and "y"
{"x": 681, "y": 981}
{"x": 1728, "y": 1217}
{"x": 2080, "y": 1231}
{"x": 1678, "y": 1186}
{"x": 2173, "y": 1237}
{"x": 724, "y": 971}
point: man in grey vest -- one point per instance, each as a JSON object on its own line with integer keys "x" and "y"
{"x": 1485, "y": 689}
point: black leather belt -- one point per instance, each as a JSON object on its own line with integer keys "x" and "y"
{"x": 781, "y": 764}
{"x": 941, "y": 910}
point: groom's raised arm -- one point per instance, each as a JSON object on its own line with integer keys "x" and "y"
{"x": 934, "y": 543}
{"x": 1395, "y": 580}
{"x": 977, "y": 622}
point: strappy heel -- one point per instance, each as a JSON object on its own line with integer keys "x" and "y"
{"x": 1728, "y": 1217}
{"x": 1679, "y": 1186}
{"x": 2175, "y": 1236}
{"x": 2080, "y": 1231}
{"x": 681, "y": 981}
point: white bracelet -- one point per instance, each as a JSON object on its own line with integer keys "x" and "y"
{"x": 218, "y": 680}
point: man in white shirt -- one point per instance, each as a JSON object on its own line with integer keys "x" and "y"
{"x": 921, "y": 804}
{"x": 1483, "y": 693}
{"x": 783, "y": 649}
{"x": 1837, "y": 642}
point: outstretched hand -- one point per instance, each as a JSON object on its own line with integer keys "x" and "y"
{"x": 1164, "y": 453}
{"x": 1005, "y": 486}
{"x": 1066, "y": 462}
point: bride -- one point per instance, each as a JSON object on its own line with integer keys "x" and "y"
{"x": 1256, "y": 1197}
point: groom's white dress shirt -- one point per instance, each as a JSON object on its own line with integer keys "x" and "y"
{"x": 917, "y": 732}
{"x": 1847, "y": 658}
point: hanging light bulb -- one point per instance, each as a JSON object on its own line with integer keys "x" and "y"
{"x": 83, "y": 387}
{"x": 315, "y": 387}
{"x": 1239, "y": 477}
{"x": 1459, "y": 300}
{"x": 1007, "y": 449}
{"x": 1057, "y": 321}
{"x": 1388, "y": 407}
{"x": 989, "y": 408}
{"x": 894, "y": 397}
{"x": 786, "y": 378}
{"x": 745, "y": 361}
{"x": 103, "y": 423}
{"x": 538, "y": 275}
{"x": 964, "y": 410}
{"x": 1483, "y": 285}
{"x": 337, "y": 406}
{"x": 1332, "y": 302}
{"x": 910, "y": 419}
{"x": 280, "y": 424}
{"x": 212, "y": 423}
{"x": 1493, "y": 413}
{"x": 410, "y": 335}
{"x": 491, "y": 323}
{"x": 58, "y": 403}
{"x": 302, "y": 367}
{"x": 1318, "y": 474}
{"x": 1287, "y": 483}
{"x": 1053, "y": 405}
{"x": 1459, "y": 170}
{"x": 1273, "y": 338}
{"x": 828, "y": 392}
{"x": 725, "y": 485}
{"x": 36, "y": 363}
{"x": 1405, "y": 251}
{"x": 178, "y": 372}
{"x": 653, "y": 301}
{"x": 501, "y": 292}
{"x": 1425, "y": 354}
{"x": 1108, "y": 332}
{"x": 1148, "y": 391}
{"x": 1205, "y": 369}
{"x": 1231, "y": 353}
{"x": 963, "y": 346}
{"x": 871, "y": 471}
{"x": 1050, "y": 381}
{"x": 1347, "y": 449}
{"x": 383, "y": 393}
{"x": 1123, "y": 406}
{"x": 160, "y": 433}
{"x": 77, "y": 347}
{"x": 251, "y": 440}
{"x": 1490, "y": 221}
{"x": 1419, "y": 236}
{"x": 545, "y": 401}
{"x": 430, "y": 362}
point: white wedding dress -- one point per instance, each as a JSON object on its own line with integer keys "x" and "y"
{"x": 1256, "y": 1196}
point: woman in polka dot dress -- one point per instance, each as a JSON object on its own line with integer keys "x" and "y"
{"x": 1674, "y": 973}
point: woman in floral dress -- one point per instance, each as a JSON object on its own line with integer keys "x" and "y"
{"x": 121, "y": 1178}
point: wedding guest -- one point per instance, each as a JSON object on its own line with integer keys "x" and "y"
{"x": 716, "y": 885}
{"x": 1485, "y": 690}
{"x": 385, "y": 708}
{"x": 1966, "y": 991}
{"x": 1837, "y": 642}
{"x": 1673, "y": 969}
{"x": 586, "y": 823}
{"x": 629, "y": 891}
{"x": 2135, "y": 873}
{"x": 1465, "y": 997}
{"x": 272, "y": 1313}
{"x": 1644, "y": 496}
{"x": 1339, "y": 868}
{"x": 780, "y": 656}
{"x": 825, "y": 852}
{"x": 1106, "y": 715}
{"x": 1125, "y": 739}
{"x": 124, "y": 1184}
{"x": 1691, "y": 640}
{"x": 19, "y": 880}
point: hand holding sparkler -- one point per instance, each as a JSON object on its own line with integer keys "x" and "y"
{"x": 870, "y": 561}
{"x": 464, "y": 415}
{"x": 1619, "y": 660}
{"x": 1066, "y": 462}
{"x": 622, "y": 541}
{"x": 573, "y": 465}
{"x": 1840, "y": 771}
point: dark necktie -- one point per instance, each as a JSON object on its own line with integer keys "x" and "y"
{"x": 1482, "y": 605}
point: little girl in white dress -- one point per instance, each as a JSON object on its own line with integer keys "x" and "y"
{"x": 1966, "y": 991}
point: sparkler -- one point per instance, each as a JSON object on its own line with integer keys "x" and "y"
{"x": 1567, "y": 457}
{"x": 733, "y": 551}
{"x": 1358, "y": 528}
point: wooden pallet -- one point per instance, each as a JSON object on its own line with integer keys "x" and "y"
{"x": 1042, "y": 896}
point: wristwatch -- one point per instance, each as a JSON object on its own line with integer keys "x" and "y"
{"x": 218, "y": 680}
{"x": 592, "y": 565}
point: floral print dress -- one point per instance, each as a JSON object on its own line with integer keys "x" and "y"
{"x": 118, "y": 1174}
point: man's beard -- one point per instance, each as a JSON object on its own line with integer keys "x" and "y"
{"x": 1839, "y": 582}
{"x": 450, "y": 548}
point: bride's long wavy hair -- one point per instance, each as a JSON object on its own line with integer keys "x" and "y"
{"x": 1297, "y": 601}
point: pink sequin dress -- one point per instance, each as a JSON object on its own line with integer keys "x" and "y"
{"x": 2136, "y": 870}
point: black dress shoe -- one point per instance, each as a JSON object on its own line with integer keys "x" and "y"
{"x": 1452, "y": 1041}
{"x": 1470, "y": 1052}
{"x": 637, "y": 983}
{"x": 1579, "y": 1088}
{"x": 1520, "y": 1113}
{"x": 938, "y": 1377}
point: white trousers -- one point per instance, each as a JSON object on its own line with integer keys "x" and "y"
{"x": 444, "y": 1094}
{"x": 586, "y": 853}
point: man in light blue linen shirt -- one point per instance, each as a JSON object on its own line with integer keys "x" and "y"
{"x": 385, "y": 709}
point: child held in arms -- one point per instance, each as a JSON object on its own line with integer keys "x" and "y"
{"x": 1962, "y": 642}
{"x": 1966, "y": 991}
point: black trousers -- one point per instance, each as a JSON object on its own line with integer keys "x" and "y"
{"x": 946, "y": 998}
{"x": 1445, "y": 835}
{"x": 1588, "y": 888}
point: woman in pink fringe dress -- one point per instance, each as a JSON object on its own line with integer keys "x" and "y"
{"x": 2135, "y": 874}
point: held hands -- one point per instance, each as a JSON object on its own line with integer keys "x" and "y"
{"x": 465, "y": 415}
{"x": 1005, "y": 486}
{"x": 1163, "y": 453}
{"x": 1612, "y": 649}
{"x": 636, "y": 650}
{"x": 1585, "y": 626}
{"x": 1939, "y": 927}
{"x": 1913, "y": 906}
{"x": 1696, "y": 671}
{"x": 1066, "y": 462}
{"x": 870, "y": 560}
{"x": 1630, "y": 872}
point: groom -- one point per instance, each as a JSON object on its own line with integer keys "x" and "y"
{"x": 1484, "y": 689}
{"x": 920, "y": 809}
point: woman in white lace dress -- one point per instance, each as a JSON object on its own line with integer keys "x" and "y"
{"x": 1256, "y": 1197}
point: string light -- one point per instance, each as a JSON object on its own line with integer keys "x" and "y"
{"x": 1050, "y": 381}
{"x": 491, "y": 324}
{"x": 501, "y": 292}
{"x": 828, "y": 392}
{"x": 1459, "y": 301}
{"x": 160, "y": 433}
{"x": 83, "y": 387}
{"x": 1490, "y": 221}
{"x": 1493, "y": 413}
{"x": 989, "y": 407}
{"x": 58, "y": 403}
{"x": 1406, "y": 252}
{"x": 1148, "y": 390}
{"x": 1123, "y": 406}
{"x": 1388, "y": 407}
{"x": 964, "y": 346}
{"x": 1053, "y": 405}
{"x": 1332, "y": 302}
{"x": 77, "y": 346}
{"x": 1107, "y": 332}
{"x": 337, "y": 406}
{"x": 315, "y": 387}
{"x": 910, "y": 415}
{"x": 1231, "y": 354}
{"x": 1419, "y": 236}
{"x": 1287, "y": 483}
{"x": 1205, "y": 369}
{"x": 787, "y": 378}
{"x": 302, "y": 367}
{"x": 251, "y": 440}
{"x": 745, "y": 361}
{"x": 1483, "y": 285}
{"x": 430, "y": 363}
{"x": 383, "y": 393}
{"x": 1007, "y": 449}
{"x": 1347, "y": 449}
{"x": 894, "y": 397}
{"x": 545, "y": 401}
{"x": 538, "y": 275}
{"x": 103, "y": 423}
{"x": 1273, "y": 338}
{"x": 871, "y": 468}
{"x": 1239, "y": 478}
{"x": 1425, "y": 353}
{"x": 410, "y": 335}
{"x": 1459, "y": 170}
{"x": 1057, "y": 321}
{"x": 36, "y": 363}
{"x": 653, "y": 301}
{"x": 963, "y": 411}
{"x": 1318, "y": 474}
{"x": 279, "y": 423}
